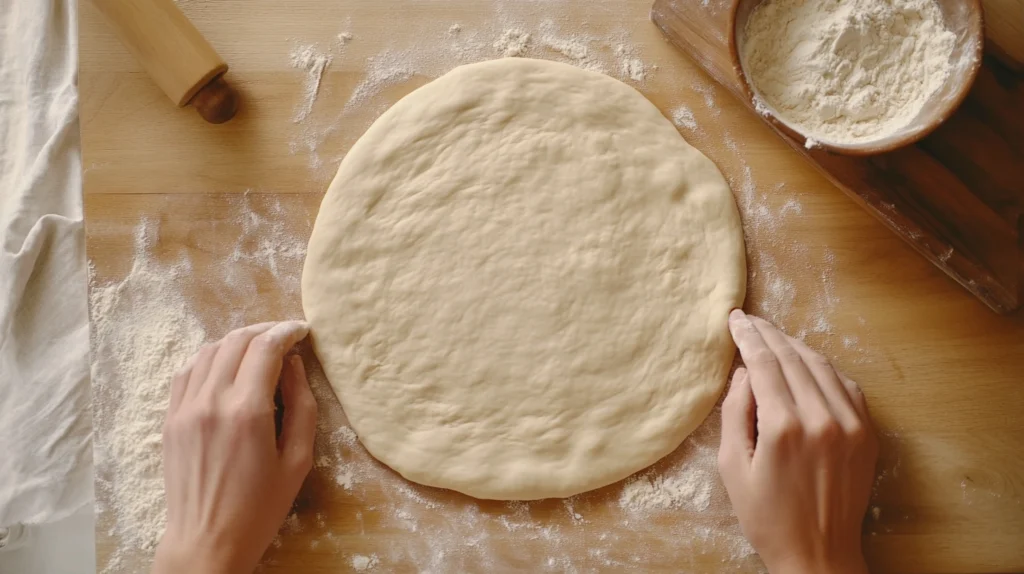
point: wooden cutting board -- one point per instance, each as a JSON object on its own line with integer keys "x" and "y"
{"x": 956, "y": 197}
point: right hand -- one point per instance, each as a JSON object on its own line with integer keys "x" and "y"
{"x": 798, "y": 453}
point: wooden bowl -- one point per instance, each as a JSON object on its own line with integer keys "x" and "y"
{"x": 962, "y": 17}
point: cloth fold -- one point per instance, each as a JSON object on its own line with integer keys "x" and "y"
{"x": 45, "y": 413}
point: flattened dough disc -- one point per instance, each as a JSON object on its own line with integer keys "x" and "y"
{"x": 519, "y": 279}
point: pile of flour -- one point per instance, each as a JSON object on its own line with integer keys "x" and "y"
{"x": 847, "y": 71}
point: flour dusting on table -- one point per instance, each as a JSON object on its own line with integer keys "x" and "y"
{"x": 649, "y": 492}
{"x": 142, "y": 332}
{"x": 682, "y": 117}
{"x": 314, "y": 63}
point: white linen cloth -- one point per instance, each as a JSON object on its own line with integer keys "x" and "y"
{"x": 45, "y": 412}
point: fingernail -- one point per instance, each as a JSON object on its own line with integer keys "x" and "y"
{"x": 736, "y": 315}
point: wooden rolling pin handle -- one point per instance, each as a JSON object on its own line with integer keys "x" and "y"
{"x": 178, "y": 58}
{"x": 217, "y": 101}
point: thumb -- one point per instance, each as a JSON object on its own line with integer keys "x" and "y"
{"x": 298, "y": 428}
{"x": 738, "y": 427}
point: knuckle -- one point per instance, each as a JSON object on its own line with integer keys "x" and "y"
{"x": 236, "y": 336}
{"x": 825, "y": 431}
{"x": 246, "y": 412}
{"x": 302, "y": 461}
{"x": 763, "y": 356}
{"x": 204, "y": 419}
{"x": 788, "y": 355}
{"x": 857, "y": 433}
{"x": 310, "y": 405}
{"x": 206, "y": 416}
{"x": 785, "y": 428}
{"x": 818, "y": 360}
{"x": 263, "y": 343}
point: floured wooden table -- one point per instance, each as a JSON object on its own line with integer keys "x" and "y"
{"x": 196, "y": 229}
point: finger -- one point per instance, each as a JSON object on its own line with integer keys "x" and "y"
{"x": 836, "y": 396}
{"x": 232, "y": 349}
{"x": 203, "y": 360}
{"x": 261, "y": 365}
{"x": 802, "y": 384}
{"x": 179, "y": 383}
{"x": 738, "y": 426}
{"x": 856, "y": 397}
{"x": 860, "y": 405}
{"x": 766, "y": 379}
{"x": 298, "y": 429}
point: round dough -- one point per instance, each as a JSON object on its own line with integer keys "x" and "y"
{"x": 519, "y": 279}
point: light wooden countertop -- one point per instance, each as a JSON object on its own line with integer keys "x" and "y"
{"x": 944, "y": 376}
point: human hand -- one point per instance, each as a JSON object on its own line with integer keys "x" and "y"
{"x": 798, "y": 453}
{"x": 230, "y": 482}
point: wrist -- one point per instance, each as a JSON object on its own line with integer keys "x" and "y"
{"x": 853, "y": 564}
{"x": 173, "y": 557}
{"x": 846, "y": 560}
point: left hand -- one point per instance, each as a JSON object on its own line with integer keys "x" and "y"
{"x": 230, "y": 482}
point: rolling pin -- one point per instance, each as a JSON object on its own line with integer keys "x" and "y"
{"x": 174, "y": 54}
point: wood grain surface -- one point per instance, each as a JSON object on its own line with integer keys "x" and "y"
{"x": 1004, "y": 29}
{"x": 941, "y": 372}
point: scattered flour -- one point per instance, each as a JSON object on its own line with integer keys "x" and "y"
{"x": 573, "y": 47}
{"x": 142, "y": 332}
{"x": 682, "y": 117}
{"x": 632, "y": 67}
{"x": 363, "y": 563}
{"x": 346, "y": 474}
{"x": 314, "y": 63}
{"x": 691, "y": 488}
{"x": 708, "y": 93}
{"x": 266, "y": 241}
{"x": 513, "y": 43}
{"x": 384, "y": 69}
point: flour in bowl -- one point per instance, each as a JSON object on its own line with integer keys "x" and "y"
{"x": 847, "y": 71}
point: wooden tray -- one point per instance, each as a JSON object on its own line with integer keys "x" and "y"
{"x": 956, "y": 197}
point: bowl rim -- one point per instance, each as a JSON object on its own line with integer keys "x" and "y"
{"x": 976, "y": 29}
